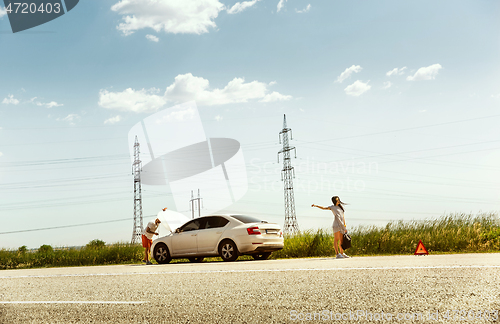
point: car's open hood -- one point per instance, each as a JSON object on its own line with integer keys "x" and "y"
{"x": 171, "y": 220}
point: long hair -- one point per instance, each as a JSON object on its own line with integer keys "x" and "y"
{"x": 341, "y": 204}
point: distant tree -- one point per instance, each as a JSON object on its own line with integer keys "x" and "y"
{"x": 23, "y": 249}
{"x": 96, "y": 244}
{"x": 45, "y": 249}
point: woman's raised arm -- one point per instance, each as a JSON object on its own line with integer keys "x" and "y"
{"x": 320, "y": 207}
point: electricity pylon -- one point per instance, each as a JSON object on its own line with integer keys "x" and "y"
{"x": 193, "y": 205}
{"x": 291, "y": 226}
{"x": 136, "y": 170}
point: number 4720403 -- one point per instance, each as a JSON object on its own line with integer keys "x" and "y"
{"x": 27, "y": 8}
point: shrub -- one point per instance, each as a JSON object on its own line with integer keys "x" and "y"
{"x": 95, "y": 244}
{"x": 45, "y": 249}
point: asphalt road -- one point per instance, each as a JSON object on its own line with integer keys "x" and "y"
{"x": 387, "y": 289}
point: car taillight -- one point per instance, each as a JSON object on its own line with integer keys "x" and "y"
{"x": 253, "y": 230}
{"x": 281, "y": 234}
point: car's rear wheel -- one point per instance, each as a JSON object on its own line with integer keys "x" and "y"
{"x": 161, "y": 253}
{"x": 228, "y": 251}
{"x": 263, "y": 256}
{"x": 196, "y": 260}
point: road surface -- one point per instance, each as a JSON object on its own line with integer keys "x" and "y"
{"x": 387, "y": 289}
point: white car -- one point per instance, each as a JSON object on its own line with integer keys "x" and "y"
{"x": 227, "y": 236}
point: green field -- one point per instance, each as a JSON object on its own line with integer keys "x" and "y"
{"x": 454, "y": 233}
{"x": 95, "y": 253}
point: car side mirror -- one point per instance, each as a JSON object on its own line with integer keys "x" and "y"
{"x": 177, "y": 230}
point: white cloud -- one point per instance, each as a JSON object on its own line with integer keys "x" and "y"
{"x": 240, "y": 6}
{"x": 387, "y": 85}
{"x": 53, "y": 104}
{"x": 347, "y": 73}
{"x": 187, "y": 87}
{"x": 48, "y": 104}
{"x": 1, "y": 153}
{"x": 272, "y": 83}
{"x": 152, "y": 38}
{"x": 281, "y": 4}
{"x": 132, "y": 100}
{"x": 396, "y": 71}
{"x": 218, "y": 118}
{"x": 275, "y": 96}
{"x": 113, "y": 120}
{"x": 3, "y": 12}
{"x": 172, "y": 16}
{"x": 10, "y": 100}
{"x": 306, "y": 9}
{"x": 71, "y": 119}
{"x": 496, "y": 96}
{"x": 357, "y": 88}
{"x": 425, "y": 73}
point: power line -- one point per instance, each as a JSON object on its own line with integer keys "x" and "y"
{"x": 38, "y": 206}
{"x": 64, "y": 226}
{"x": 69, "y": 200}
{"x": 57, "y": 183}
{"x": 410, "y": 128}
{"x": 417, "y": 151}
{"x": 98, "y": 158}
{"x": 63, "y": 127}
{"x": 63, "y": 142}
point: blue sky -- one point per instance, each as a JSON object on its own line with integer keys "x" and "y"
{"x": 394, "y": 107}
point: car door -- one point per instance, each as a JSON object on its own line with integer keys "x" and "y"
{"x": 210, "y": 235}
{"x": 185, "y": 242}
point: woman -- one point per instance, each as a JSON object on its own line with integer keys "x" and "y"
{"x": 339, "y": 227}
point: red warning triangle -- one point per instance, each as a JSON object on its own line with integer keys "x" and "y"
{"x": 421, "y": 250}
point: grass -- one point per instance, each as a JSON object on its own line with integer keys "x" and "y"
{"x": 454, "y": 233}
{"x": 46, "y": 256}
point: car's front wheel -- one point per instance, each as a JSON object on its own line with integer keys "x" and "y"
{"x": 228, "y": 251}
{"x": 161, "y": 253}
{"x": 263, "y": 256}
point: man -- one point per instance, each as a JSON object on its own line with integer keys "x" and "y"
{"x": 147, "y": 237}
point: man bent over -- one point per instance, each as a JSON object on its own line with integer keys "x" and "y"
{"x": 147, "y": 238}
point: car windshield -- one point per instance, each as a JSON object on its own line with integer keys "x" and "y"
{"x": 246, "y": 219}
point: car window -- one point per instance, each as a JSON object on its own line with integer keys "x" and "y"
{"x": 216, "y": 221}
{"x": 192, "y": 225}
{"x": 246, "y": 219}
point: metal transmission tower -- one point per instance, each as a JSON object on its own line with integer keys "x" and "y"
{"x": 193, "y": 206}
{"x": 291, "y": 226}
{"x": 136, "y": 170}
